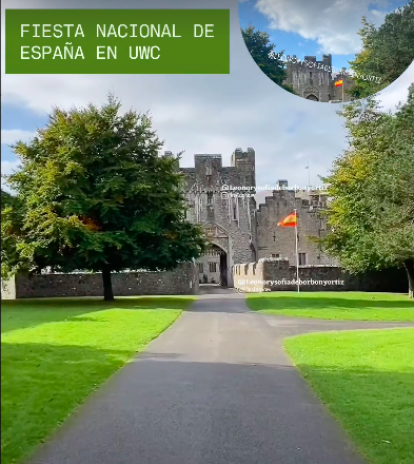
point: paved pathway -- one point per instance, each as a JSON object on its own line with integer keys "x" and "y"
{"x": 215, "y": 388}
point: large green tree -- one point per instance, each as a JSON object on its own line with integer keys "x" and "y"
{"x": 264, "y": 54}
{"x": 11, "y": 224}
{"x": 387, "y": 51}
{"x": 372, "y": 185}
{"x": 97, "y": 196}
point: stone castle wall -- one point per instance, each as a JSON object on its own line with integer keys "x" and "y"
{"x": 313, "y": 79}
{"x": 182, "y": 281}
{"x": 228, "y": 221}
{"x": 279, "y": 275}
{"x": 276, "y": 240}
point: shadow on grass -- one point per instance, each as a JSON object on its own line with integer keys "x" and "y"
{"x": 269, "y": 404}
{"x": 263, "y": 302}
{"x": 21, "y": 314}
{"x": 42, "y": 384}
{"x": 89, "y": 303}
{"x": 375, "y": 407}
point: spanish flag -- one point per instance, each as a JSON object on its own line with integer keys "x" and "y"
{"x": 289, "y": 221}
{"x": 339, "y": 83}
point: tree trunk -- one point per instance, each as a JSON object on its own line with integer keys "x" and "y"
{"x": 107, "y": 284}
{"x": 409, "y": 266}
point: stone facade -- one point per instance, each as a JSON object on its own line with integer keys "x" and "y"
{"x": 221, "y": 199}
{"x": 279, "y": 242}
{"x": 313, "y": 80}
{"x": 8, "y": 289}
{"x": 279, "y": 275}
{"x": 228, "y": 221}
{"x": 209, "y": 268}
{"x": 182, "y": 281}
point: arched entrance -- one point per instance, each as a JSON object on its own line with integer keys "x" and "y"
{"x": 212, "y": 267}
{"x": 312, "y": 97}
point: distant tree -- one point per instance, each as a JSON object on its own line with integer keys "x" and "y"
{"x": 97, "y": 196}
{"x": 372, "y": 185}
{"x": 264, "y": 54}
{"x": 11, "y": 223}
{"x": 387, "y": 51}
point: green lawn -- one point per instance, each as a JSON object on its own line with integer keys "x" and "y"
{"x": 366, "y": 378}
{"x": 355, "y": 306}
{"x": 56, "y": 352}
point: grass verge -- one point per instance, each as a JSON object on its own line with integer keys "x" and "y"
{"x": 56, "y": 352}
{"x": 366, "y": 378}
{"x": 352, "y": 306}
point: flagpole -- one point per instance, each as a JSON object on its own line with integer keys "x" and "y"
{"x": 297, "y": 255}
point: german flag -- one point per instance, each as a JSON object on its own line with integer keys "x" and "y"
{"x": 289, "y": 221}
{"x": 339, "y": 83}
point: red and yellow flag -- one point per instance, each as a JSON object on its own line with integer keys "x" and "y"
{"x": 339, "y": 83}
{"x": 289, "y": 221}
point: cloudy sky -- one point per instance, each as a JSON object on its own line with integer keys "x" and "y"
{"x": 317, "y": 27}
{"x": 197, "y": 114}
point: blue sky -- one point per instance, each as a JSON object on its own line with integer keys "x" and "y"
{"x": 199, "y": 113}
{"x": 14, "y": 118}
{"x": 264, "y": 15}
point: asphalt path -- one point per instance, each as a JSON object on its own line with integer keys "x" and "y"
{"x": 215, "y": 388}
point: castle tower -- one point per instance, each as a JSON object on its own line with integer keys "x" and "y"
{"x": 245, "y": 163}
{"x": 221, "y": 199}
{"x": 310, "y": 79}
{"x": 279, "y": 242}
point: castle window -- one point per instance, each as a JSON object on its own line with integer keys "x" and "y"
{"x": 275, "y": 255}
{"x": 200, "y": 268}
{"x": 209, "y": 199}
{"x": 212, "y": 267}
{"x": 310, "y": 78}
{"x": 302, "y": 259}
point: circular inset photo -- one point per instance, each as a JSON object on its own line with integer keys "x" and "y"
{"x": 330, "y": 51}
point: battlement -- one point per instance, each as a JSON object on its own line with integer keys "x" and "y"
{"x": 209, "y": 173}
{"x": 239, "y": 159}
{"x": 306, "y": 200}
{"x": 309, "y": 63}
{"x": 315, "y": 80}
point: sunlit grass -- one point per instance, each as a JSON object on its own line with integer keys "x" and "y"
{"x": 354, "y": 306}
{"x": 56, "y": 352}
{"x": 366, "y": 378}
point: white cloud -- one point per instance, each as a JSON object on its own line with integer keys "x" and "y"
{"x": 398, "y": 90}
{"x": 8, "y": 167}
{"x": 11, "y": 136}
{"x": 206, "y": 113}
{"x": 333, "y": 24}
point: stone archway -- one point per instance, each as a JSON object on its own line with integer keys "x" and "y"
{"x": 312, "y": 97}
{"x": 216, "y": 264}
{"x": 213, "y": 266}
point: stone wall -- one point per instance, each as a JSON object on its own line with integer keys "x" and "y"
{"x": 205, "y": 276}
{"x": 314, "y": 79}
{"x": 8, "y": 289}
{"x": 278, "y": 275}
{"x": 281, "y": 240}
{"x": 182, "y": 281}
{"x": 228, "y": 219}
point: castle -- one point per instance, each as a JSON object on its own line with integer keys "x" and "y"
{"x": 221, "y": 199}
{"x": 313, "y": 80}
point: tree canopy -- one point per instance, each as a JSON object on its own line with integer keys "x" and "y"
{"x": 94, "y": 194}
{"x": 264, "y": 54}
{"x": 387, "y": 51}
{"x": 372, "y": 185}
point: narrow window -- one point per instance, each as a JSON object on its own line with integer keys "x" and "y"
{"x": 212, "y": 267}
